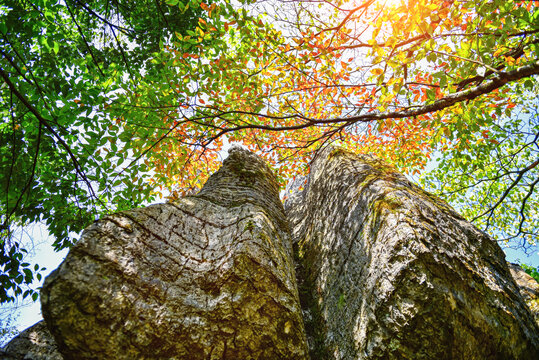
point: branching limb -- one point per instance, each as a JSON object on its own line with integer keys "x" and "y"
{"x": 60, "y": 140}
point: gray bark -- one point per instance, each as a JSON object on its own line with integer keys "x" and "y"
{"x": 388, "y": 271}
{"x": 208, "y": 277}
{"x": 34, "y": 343}
{"x": 529, "y": 288}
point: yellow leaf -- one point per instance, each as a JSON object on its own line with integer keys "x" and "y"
{"x": 377, "y": 71}
{"x": 510, "y": 60}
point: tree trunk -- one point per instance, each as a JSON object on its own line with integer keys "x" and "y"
{"x": 34, "y": 343}
{"x": 529, "y": 288}
{"x": 387, "y": 271}
{"x": 208, "y": 277}
{"x": 384, "y": 269}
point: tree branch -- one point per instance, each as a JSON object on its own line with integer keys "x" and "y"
{"x": 507, "y": 191}
{"x": 496, "y": 82}
{"x": 45, "y": 123}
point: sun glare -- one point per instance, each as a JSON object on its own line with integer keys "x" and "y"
{"x": 391, "y": 3}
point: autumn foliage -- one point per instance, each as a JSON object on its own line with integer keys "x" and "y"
{"x": 372, "y": 76}
{"x": 108, "y": 107}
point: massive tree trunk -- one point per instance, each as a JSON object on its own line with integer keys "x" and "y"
{"x": 384, "y": 269}
{"x": 208, "y": 277}
{"x": 388, "y": 271}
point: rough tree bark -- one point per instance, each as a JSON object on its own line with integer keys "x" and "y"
{"x": 385, "y": 271}
{"x": 208, "y": 277}
{"x": 529, "y": 288}
{"x": 34, "y": 343}
{"x": 388, "y": 271}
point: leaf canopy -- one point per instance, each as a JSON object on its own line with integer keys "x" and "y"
{"x": 109, "y": 104}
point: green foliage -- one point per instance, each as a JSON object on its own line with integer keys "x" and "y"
{"x": 532, "y": 271}
{"x": 490, "y": 174}
{"x": 64, "y": 159}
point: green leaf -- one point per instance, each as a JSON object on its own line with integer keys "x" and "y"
{"x": 528, "y": 83}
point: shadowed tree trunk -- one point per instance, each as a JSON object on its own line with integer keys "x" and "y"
{"x": 384, "y": 270}
{"x": 34, "y": 343}
{"x": 388, "y": 271}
